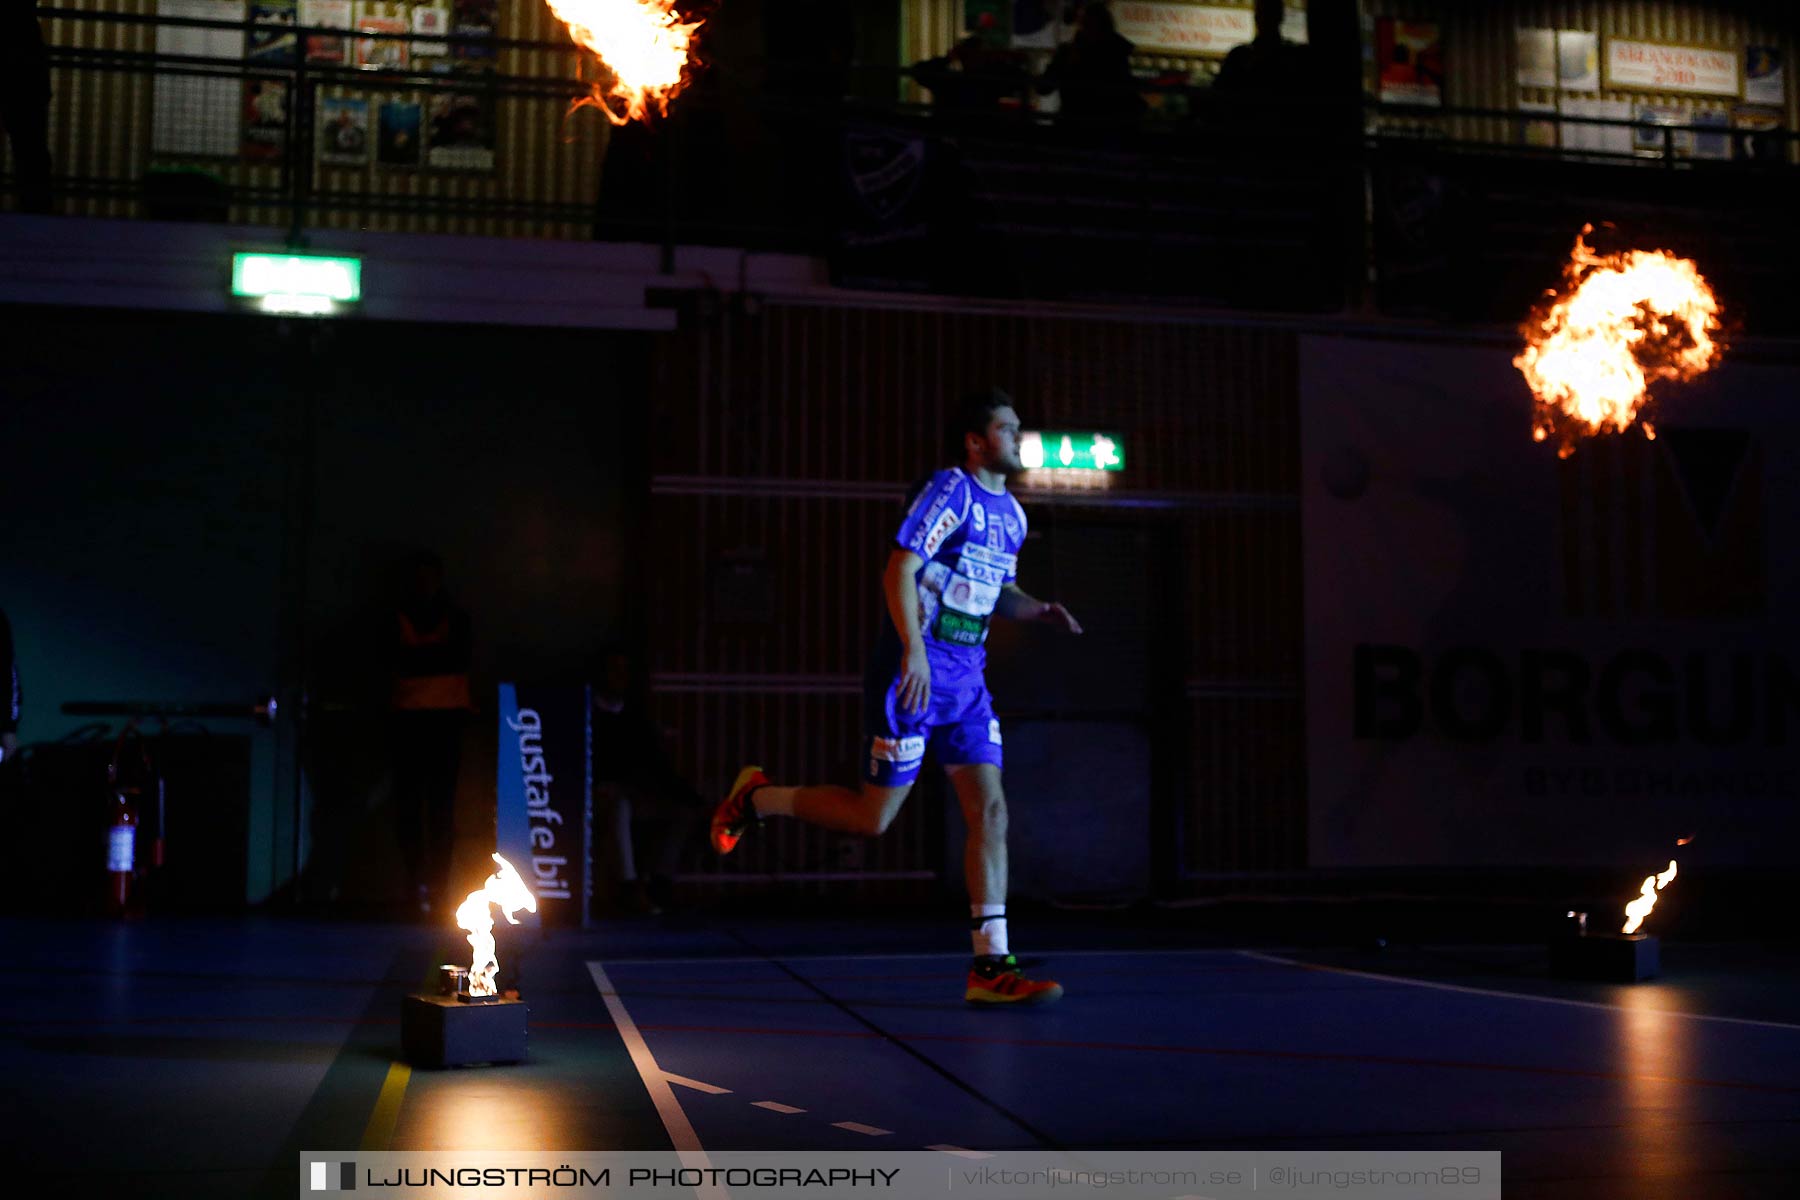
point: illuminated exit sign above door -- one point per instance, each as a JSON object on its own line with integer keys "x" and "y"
{"x": 1056, "y": 449}
{"x": 305, "y": 284}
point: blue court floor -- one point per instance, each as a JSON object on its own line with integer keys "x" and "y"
{"x": 197, "y": 1058}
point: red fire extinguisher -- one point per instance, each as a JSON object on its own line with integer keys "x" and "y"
{"x": 121, "y": 845}
{"x": 128, "y": 777}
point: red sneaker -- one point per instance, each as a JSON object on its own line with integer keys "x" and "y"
{"x": 734, "y": 814}
{"x": 996, "y": 979}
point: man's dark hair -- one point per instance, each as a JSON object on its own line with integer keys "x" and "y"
{"x": 1097, "y": 20}
{"x": 972, "y": 414}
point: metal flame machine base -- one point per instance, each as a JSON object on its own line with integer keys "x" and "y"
{"x": 1606, "y": 957}
{"x": 452, "y": 1031}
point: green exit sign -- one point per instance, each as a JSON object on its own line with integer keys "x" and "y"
{"x": 1056, "y": 449}
{"x": 306, "y": 284}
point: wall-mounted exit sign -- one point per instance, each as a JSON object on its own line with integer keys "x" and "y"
{"x": 303, "y": 284}
{"x": 1055, "y": 449}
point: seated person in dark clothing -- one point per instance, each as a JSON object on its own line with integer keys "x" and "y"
{"x": 641, "y": 800}
{"x": 975, "y": 74}
{"x": 1267, "y": 70}
{"x": 25, "y": 102}
{"x": 1092, "y": 71}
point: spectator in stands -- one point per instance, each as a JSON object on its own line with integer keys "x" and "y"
{"x": 976, "y": 74}
{"x": 641, "y": 799}
{"x": 1091, "y": 72}
{"x": 1267, "y": 70}
{"x": 25, "y": 102}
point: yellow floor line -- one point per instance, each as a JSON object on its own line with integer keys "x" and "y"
{"x": 380, "y": 1130}
{"x": 378, "y": 1134}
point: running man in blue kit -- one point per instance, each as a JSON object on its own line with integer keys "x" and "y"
{"x": 952, "y": 568}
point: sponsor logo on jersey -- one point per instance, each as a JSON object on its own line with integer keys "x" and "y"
{"x": 981, "y": 572}
{"x": 993, "y": 558}
{"x": 972, "y": 596}
{"x": 946, "y": 525}
{"x": 1014, "y": 530}
{"x": 959, "y": 629}
{"x": 986, "y": 566}
{"x": 996, "y": 538}
{"x": 897, "y": 750}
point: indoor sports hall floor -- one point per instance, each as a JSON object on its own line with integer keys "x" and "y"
{"x": 198, "y": 1057}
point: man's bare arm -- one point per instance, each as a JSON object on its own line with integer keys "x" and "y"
{"x": 900, "y": 586}
{"x": 1015, "y": 605}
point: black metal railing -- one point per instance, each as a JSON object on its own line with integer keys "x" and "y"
{"x": 286, "y": 179}
{"x": 1560, "y": 136}
{"x": 1253, "y": 204}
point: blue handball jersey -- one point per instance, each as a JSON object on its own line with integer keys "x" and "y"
{"x": 970, "y": 539}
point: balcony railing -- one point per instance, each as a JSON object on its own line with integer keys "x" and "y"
{"x": 1250, "y": 205}
{"x": 280, "y": 133}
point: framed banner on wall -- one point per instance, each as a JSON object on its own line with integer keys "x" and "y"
{"x": 1409, "y": 62}
{"x": 1655, "y": 67}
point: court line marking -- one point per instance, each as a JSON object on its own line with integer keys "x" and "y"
{"x": 675, "y": 1121}
{"x": 711, "y": 1089}
{"x": 763, "y": 958}
{"x": 1260, "y": 956}
{"x": 859, "y": 1127}
{"x": 616, "y": 1006}
{"x": 378, "y": 1134}
{"x": 1384, "y": 1060}
{"x": 1255, "y": 955}
{"x": 931, "y": 1064}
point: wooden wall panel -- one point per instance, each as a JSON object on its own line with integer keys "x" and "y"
{"x": 783, "y": 441}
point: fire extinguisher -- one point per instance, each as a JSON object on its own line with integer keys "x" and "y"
{"x": 121, "y": 845}
{"x": 127, "y": 781}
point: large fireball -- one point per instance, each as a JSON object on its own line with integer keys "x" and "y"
{"x": 643, "y": 47}
{"x": 1619, "y": 323}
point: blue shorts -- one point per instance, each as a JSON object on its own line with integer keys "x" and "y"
{"x": 958, "y": 725}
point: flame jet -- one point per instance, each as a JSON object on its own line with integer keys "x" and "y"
{"x": 644, "y": 49}
{"x": 1638, "y": 909}
{"x": 507, "y": 892}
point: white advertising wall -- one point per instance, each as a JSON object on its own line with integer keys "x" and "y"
{"x": 1518, "y": 660}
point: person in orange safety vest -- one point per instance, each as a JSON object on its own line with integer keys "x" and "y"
{"x": 429, "y": 651}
